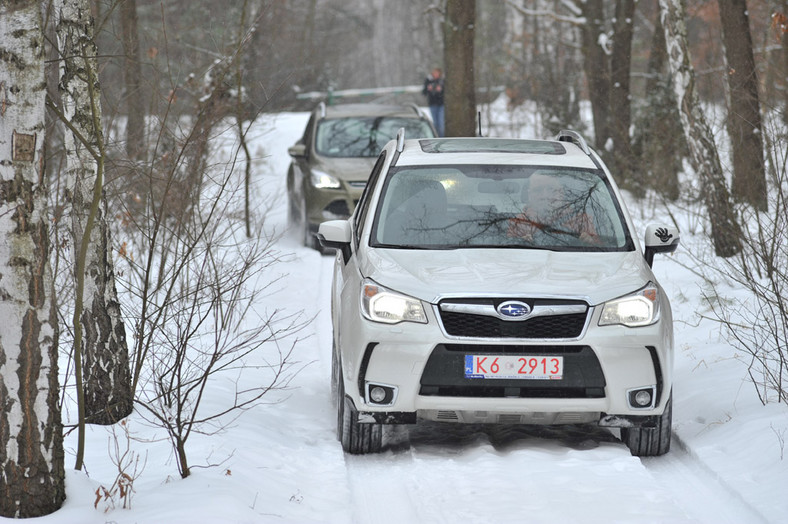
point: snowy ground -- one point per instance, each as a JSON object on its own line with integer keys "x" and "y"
{"x": 280, "y": 462}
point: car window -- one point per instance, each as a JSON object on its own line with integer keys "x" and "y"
{"x": 360, "y": 216}
{"x": 470, "y": 206}
{"x": 306, "y": 139}
{"x": 364, "y": 136}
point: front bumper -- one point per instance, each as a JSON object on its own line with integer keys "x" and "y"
{"x": 602, "y": 366}
{"x": 323, "y": 205}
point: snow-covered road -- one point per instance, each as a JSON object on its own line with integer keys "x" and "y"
{"x": 452, "y": 473}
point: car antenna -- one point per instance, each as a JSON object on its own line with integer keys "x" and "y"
{"x": 479, "y": 114}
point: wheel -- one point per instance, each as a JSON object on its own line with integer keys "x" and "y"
{"x": 309, "y": 239}
{"x": 356, "y": 438}
{"x": 305, "y": 234}
{"x": 334, "y": 377}
{"x": 651, "y": 442}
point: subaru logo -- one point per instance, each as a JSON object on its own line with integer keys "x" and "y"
{"x": 513, "y": 310}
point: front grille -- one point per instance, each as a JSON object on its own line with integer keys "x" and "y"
{"x": 554, "y": 326}
{"x": 444, "y": 373}
{"x": 500, "y": 392}
{"x": 477, "y": 326}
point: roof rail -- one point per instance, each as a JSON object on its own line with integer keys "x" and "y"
{"x": 416, "y": 108}
{"x": 321, "y": 108}
{"x": 566, "y": 135}
{"x": 400, "y": 139}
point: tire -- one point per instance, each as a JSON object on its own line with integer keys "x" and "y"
{"x": 334, "y": 378}
{"x": 356, "y": 439}
{"x": 306, "y": 236}
{"x": 651, "y": 442}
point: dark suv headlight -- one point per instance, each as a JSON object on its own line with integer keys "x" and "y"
{"x": 323, "y": 180}
{"x": 638, "y": 309}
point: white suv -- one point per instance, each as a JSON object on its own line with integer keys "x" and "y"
{"x": 486, "y": 280}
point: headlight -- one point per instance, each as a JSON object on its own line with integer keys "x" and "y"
{"x": 383, "y": 305}
{"x": 323, "y": 180}
{"x": 638, "y": 309}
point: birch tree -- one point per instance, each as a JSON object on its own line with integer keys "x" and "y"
{"x": 99, "y": 334}
{"x": 725, "y": 232}
{"x": 32, "y": 476}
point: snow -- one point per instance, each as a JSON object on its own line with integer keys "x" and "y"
{"x": 280, "y": 461}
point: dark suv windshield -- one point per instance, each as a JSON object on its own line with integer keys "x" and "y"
{"x": 364, "y": 136}
{"x": 447, "y": 207}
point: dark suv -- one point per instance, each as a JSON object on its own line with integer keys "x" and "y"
{"x": 332, "y": 160}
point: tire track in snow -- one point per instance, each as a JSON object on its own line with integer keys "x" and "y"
{"x": 377, "y": 489}
{"x": 699, "y": 489}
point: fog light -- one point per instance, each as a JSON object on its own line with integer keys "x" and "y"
{"x": 377, "y": 394}
{"x": 381, "y": 394}
{"x": 642, "y": 398}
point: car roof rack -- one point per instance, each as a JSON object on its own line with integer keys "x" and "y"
{"x": 400, "y": 139}
{"x": 567, "y": 135}
{"x": 321, "y": 109}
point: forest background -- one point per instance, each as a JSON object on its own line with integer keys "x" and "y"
{"x": 136, "y": 89}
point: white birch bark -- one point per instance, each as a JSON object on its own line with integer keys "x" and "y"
{"x": 105, "y": 362}
{"x": 725, "y": 232}
{"x": 32, "y": 477}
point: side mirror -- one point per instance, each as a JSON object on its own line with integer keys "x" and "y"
{"x": 335, "y": 234}
{"x": 660, "y": 239}
{"x": 297, "y": 150}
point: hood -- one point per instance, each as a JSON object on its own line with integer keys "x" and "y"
{"x": 427, "y": 274}
{"x": 349, "y": 169}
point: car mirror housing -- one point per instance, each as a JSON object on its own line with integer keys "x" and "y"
{"x": 297, "y": 150}
{"x": 660, "y": 239}
{"x": 336, "y": 234}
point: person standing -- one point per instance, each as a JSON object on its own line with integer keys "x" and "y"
{"x": 433, "y": 90}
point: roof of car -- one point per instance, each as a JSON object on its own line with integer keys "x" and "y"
{"x": 494, "y": 151}
{"x": 350, "y": 110}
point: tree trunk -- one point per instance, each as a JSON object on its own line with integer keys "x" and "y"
{"x": 744, "y": 109}
{"x": 661, "y": 136}
{"x": 596, "y": 68}
{"x": 132, "y": 76}
{"x": 620, "y": 113}
{"x": 705, "y": 160}
{"x": 460, "y": 94}
{"x": 100, "y": 336}
{"x": 32, "y": 475}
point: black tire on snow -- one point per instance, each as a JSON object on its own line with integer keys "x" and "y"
{"x": 651, "y": 442}
{"x": 356, "y": 438}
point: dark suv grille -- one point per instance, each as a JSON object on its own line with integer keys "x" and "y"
{"x": 554, "y": 326}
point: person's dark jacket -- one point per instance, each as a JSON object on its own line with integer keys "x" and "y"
{"x": 433, "y": 89}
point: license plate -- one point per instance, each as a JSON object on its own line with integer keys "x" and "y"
{"x": 514, "y": 367}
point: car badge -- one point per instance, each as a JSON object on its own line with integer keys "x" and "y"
{"x": 513, "y": 310}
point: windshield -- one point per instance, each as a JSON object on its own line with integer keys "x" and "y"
{"x": 364, "y": 136}
{"x": 449, "y": 207}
